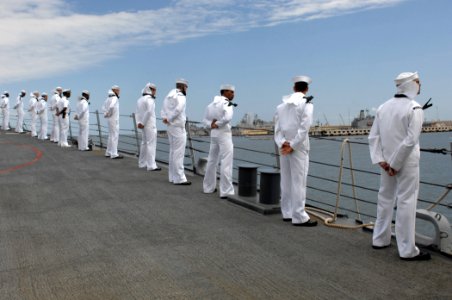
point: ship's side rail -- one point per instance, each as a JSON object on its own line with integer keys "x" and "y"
{"x": 322, "y": 177}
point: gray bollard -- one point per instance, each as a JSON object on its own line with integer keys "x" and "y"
{"x": 247, "y": 180}
{"x": 270, "y": 189}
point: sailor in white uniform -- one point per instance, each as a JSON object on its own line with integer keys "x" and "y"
{"x": 19, "y": 107}
{"x": 4, "y": 105}
{"x": 32, "y": 110}
{"x": 111, "y": 113}
{"x": 293, "y": 119}
{"x": 218, "y": 117}
{"x": 53, "y": 106}
{"x": 63, "y": 110}
{"x": 394, "y": 145}
{"x": 146, "y": 121}
{"x": 41, "y": 111}
{"x": 82, "y": 116}
{"x": 173, "y": 115}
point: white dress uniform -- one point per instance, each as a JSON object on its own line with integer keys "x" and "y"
{"x": 20, "y": 114}
{"x": 174, "y": 110}
{"x": 53, "y": 104}
{"x": 32, "y": 110}
{"x": 394, "y": 138}
{"x": 221, "y": 147}
{"x": 293, "y": 119}
{"x": 4, "y": 104}
{"x": 145, "y": 114}
{"x": 111, "y": 112}
{"x": 63, "y": 121}
{"x": 83, "y": 124}
{"x": 41, "y": 111}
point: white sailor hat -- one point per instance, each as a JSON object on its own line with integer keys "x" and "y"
{"x": 152, "y": 85}
{"x": 66, "y": 90}
{"x": 85, "y": 92}
{"x": 182, "y": 81}
{"x": 5, "y": 92}
{"x": 115, "y": 87}
{"x": 228, "y": 87}
{"x": 43, "y": 94}
{"x": 406, "y": 77}
{"x": 58, "y": 88}
{"x": 23, "y": 91}
{"x": 302, "y": 79}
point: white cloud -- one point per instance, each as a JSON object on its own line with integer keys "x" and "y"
{"x": 44, "y": 37}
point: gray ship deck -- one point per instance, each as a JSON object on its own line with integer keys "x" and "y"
{"x": 74, "y": 225}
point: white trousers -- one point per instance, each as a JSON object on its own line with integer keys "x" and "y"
{"x": 221, "y": 150}
{"x": 83, "y": 132}
{"x": 177, "y": 137}
{"x": 34, "y": 118}
{"x": 403, "y": 187}
{"x": 294, "y": 173}
{"x": 64, "y": 128}
{"x": 20, "y": 121}
{"x": 148, "y": 148}
{"x": 43, "y": 130}
{"x": 113, "y": 138}
{"x": 5, "y": 124}
{"x": 55, "y": 135}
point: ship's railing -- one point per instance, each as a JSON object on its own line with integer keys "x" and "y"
{"x": 322, "y": 177}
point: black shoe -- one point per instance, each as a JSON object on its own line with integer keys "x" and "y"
{"x": 224, "y": 197}
{"x": 308, "y": 223}
{"x": 156, "y": 169}
{"x": 420, "y": 256}
{"x": 118, "y": 157}
{"x": 183, "y": 183}
{"x": 107, "y": 156}
{"x": 381, "y": 247}
{"x": 287, "y": 219}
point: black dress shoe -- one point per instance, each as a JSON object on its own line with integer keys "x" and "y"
{"x": 308, "y": 223}
{"x": 118, "y": 157}
{"x": 183, "y": 183}
{"x": 380, "y": 247}
{"x": 156, "y": 169}
{"x": 287, "y": 219}
{"x": 420, "y": 256}
{"x": 224, "y": 197}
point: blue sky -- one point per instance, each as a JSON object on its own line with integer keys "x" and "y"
{"x": 352, "y": 50}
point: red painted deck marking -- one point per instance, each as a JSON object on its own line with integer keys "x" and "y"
{"x": 38, "y": 155}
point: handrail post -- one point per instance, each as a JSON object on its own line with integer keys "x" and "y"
{"x": 278, "y": 162}
{"x": 70, "y": 128}
{"x": 352, "y": 176}
{"x": 98, "y": 129}
{"x": 190, "y": 144}
{"x": 136, "y": 132}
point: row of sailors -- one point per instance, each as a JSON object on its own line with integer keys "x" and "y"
{"x": 38, "y": 106}
{"x": 393, "y": 140}
{"x": 218, "y": 116}
{"x": 58, "y": 105}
